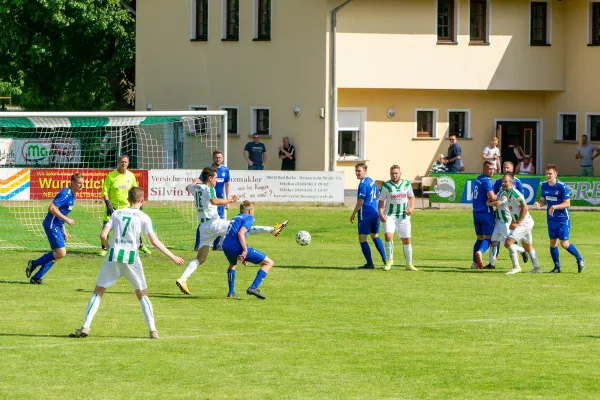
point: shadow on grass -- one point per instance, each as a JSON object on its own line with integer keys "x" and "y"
{"x": 315, "y": 267}
{"x": 66, "y": 336}
{"x": 467, "y": 270}
{"x": 16, "y": 282}
{"x": 176, "y": 296}
{"x": 591, "y": 336}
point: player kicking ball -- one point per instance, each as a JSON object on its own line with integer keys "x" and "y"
{"x": 212, "y": 225}
{"x": 511, "y": 203}
{"x": 123, "y": 259}
{"x": 396, "y": 204}
{"x": 236, "y": 249}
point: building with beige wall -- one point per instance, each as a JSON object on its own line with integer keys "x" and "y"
{"x": 407, "y": 73}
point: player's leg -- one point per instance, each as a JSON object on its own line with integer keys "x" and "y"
{"x": 514, "y": 256}
{"x": 527, "y": 241}
{"x": 553, "y": 235}
{"x": 375, "y": 224}
{"x": 104, "y": 251}
{"x": 191, "y": 268}
{"x": 273, "y": 230}
{"x": 479, "y": 233}
{"x": 404, "y": 233}
{"x": 266, "y": 264}
{"x": 197, "y": 243}
{"x": 135, "y": 275}
{"x": 363, "y": 233}
{"x": 217, "y": 241}
{"x": 389, "y": 227}
{"x": 57, "y": 244}
{"x": 232, "y": 257}
{"x": 563, "y": 235}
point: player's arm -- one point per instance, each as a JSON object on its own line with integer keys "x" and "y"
{"x": 53, "y": 209}
{"x": 381, "y": 206}
{"x": 104, "y": 235}
{"x": 242, "y": 240}
{"x": 65, "y": 234}
{"x": 154, "y": 241}
{"x": 522, "y": 214}
{"x": 496, "y": 203}
{"x": 215, "y": 201}
{"x": 227, "y": 194}
{"x": 411, "y": 201}
{"x": 357, "y": 207}
{"x": 191, "y": 185}
{"x": 539, "y": 204}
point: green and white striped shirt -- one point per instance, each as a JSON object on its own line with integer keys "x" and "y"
{"x": 510, "y": 209}
{"x": 202, "y": 195}
{"x": 396, "y": 198}
{"x": 127, "y": 225}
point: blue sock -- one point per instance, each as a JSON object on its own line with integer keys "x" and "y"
{"x": 476, "y": 247}
{"x": 485, "y": 244}
{"x": 379, "y": 247}
{"x": 366, "y": 251}
{"x": 571, "y": 249}
{"x": 498, "y": 247}
{"x": 217, "y": 242}
{"x": 554, "y": 254}
{"x": 42, "y": 271}
{"x": 260, "y": 275}
{"x": 197, "y": 237}
{"x": 231, "y": 280}
{"x": 44, "y": 259}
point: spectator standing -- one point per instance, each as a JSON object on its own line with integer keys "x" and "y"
{"x": 287, "y": 155}
{"x": 492, "y": 153}
{"x": 255, "y": 153}
{"x": 586, "y": 154}
{"x": 454, "y": 154}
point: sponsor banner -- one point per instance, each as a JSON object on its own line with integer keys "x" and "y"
{"x": 260, "y": 186}
{"x": 458, "y": 188}
{"x": 7, "y": 155}
{"x": 46, "y": 152}
{"x": 46, "y": 182}
{"x": 14, "y": 184}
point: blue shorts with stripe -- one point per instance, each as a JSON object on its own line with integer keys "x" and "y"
{"x": 559, "y": 230}
{"x": 253, "y": 256}
{"x": 368, "y": 226}
{"x": 484, "y": 223}
{"x": 55, "y": 235}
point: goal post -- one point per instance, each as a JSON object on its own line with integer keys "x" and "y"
{"x": 40, "y": 151}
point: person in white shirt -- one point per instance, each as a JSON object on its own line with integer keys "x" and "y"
{"x": 525, "y": 167}
{"x": 492, "y": 154}
{"x": 586, "y": 154}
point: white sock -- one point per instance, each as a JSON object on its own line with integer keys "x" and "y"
{"x": 534, "y": 259}
{"x": 91, "y": 309}
{"x": 190, "y": 269}
{"x": 492, "y": 254}
{"x": 514, "y": 256}
{"x": 408, "y": 253}
{"x": 389, "y": 250}
{"x": 261, "y": 229}
{"x": 520, "y": 250}
{"x": 148, "y": 312}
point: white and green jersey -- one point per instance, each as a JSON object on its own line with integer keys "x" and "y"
{"x": 127, "y": 225}
{"x": 202, "y": 194}
{"x": 396, "y": 198}
{"x": 510, "y": 208}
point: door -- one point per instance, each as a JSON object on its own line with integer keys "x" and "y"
{"x": 517, "y": 138}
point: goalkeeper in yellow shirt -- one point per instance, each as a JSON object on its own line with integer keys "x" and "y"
{"x": 115, "y": 190}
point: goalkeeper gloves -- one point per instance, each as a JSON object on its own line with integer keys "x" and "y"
{"x": 109, "y": 208}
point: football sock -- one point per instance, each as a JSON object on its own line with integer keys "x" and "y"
{"x": 42, "y": 271}
{"x": 555, "y": 257}
{"x": 492, "y": 255}
{"x": 476, "y": 247}
{"x": 364, "y": 246}
{"x": 261, "y": 229}
{"x": 379, "y": 247}
{"x": 217, "y": 242}
{"x": 498, "y": 247}
{"x": 407, "y": 253}
{"x": 260, "y": 275}
{"x": 197, "y": 237}
{"x": 571, "y": 249}
{"x": 514, "y": 256}
{"x": 485, "y": 244}
{"x": 389, "y": 250}
{"x": 231, "y": 280}
{"x": 534, "y": 259}
{"x": 190, "y": 269}
{"x": 91, "y": 309}
{"x": 43, "y": 259}
{"x": 148, "y": 312}
{"x": 520, "y": 250}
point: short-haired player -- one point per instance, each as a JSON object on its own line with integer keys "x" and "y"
{"x": 483, "y": 215}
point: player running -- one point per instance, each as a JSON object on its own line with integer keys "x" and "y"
{"x": 555, "y": 194}
{"x": 396, "y": 204}
{"x": 512, "y": 210}
{"x": 483, "y": 215}
{"x": 123, "y": 259}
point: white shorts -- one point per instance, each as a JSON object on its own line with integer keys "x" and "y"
{"x": 112, "y": 271}
{"x": 501, "y": 231}
{"x": 212, "y": 229}
{"x": 400, "y": 226}
{"x": 523, "y": 232}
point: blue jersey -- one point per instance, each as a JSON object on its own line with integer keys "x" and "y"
{"x": 222, "y": 178}
{"x": 482, "y": 186}
{"x": 518, "y": 185}
{"x": 555, "y": 195}
{"x": 368, "y": 192}
{"x": 64, "y": 200}
{"x": 231, "y": 242}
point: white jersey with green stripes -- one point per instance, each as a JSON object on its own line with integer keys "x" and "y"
{"x": 127, "y": 225}
{"x": 510, "y": 208}
{"x": 202, "y": 194}
{"x": 396, "y": 198}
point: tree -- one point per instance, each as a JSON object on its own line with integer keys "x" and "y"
{"x": 69, "y": 54}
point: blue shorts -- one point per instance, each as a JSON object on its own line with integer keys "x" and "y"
{"x": 484, "y": 223}
{"x": 221, "y": 211}
{"x": 559, "y": 230}
{"x": 253, "y": 256}
{"x": 55, "y": 236}
{"x": 367, "y": 226}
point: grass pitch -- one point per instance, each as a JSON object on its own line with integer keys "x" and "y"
{"x": 326, "y": 330}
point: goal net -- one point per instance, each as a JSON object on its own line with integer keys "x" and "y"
{"x": 40, "y": 151}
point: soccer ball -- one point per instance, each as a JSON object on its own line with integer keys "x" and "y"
{"x": 303, "y": 238}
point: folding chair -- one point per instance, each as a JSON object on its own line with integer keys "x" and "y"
{"x": 428, "y": 187}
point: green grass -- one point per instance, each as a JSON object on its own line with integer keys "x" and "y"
{"x": 326, "y": 330}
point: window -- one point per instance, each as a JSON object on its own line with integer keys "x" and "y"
{"x": 595, "y": 24}
{"x": 426, "y": 123}
{"x": 261, "y": 120}
{"x": 351, "y": 134}
{"x": 232, "y": 20}
{"x": 200, "y": 123}
{"x": 594, "y": 132}
{"x": 232, "y": 119}
{"x": 478, "y": 21}
{"x": 458, "y": 123}
{"x": 200, "y": 26}
{"x": 445, "y": 21}
{"x": 539, "y": 23}
{"x": 263, "y": 19}
{"x": 567, "y": 127}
